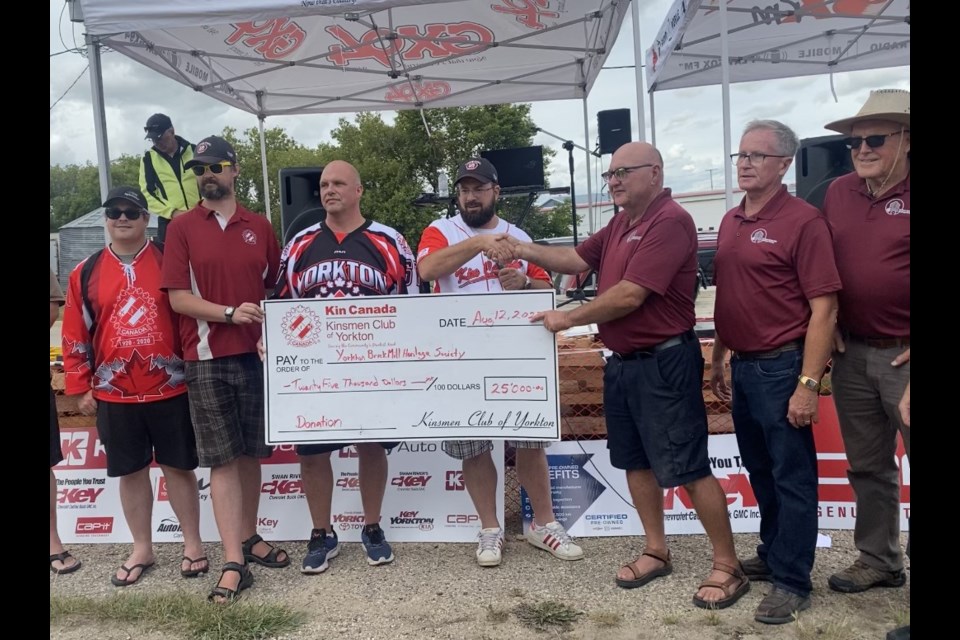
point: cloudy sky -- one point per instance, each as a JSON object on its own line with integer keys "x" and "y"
{"x": 688, "y": 121}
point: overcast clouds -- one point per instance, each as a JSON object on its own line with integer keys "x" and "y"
{"x": 689, "y": 121}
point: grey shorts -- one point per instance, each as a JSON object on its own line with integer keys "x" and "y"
{"x": 466, "y": 449}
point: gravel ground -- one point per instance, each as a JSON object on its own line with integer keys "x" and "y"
{"x": 438, "y": 591}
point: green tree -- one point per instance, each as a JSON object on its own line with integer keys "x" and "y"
{"x": 74, "y": 191}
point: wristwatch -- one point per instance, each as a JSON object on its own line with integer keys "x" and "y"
{"x": 809, "y": 383}
{"x": 228, "y": 314}
{"x": 528, "y": 283}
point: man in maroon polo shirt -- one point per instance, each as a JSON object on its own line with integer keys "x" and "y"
{"x": 775, "y": 308}
{"x": 869, "y": 212}
{"x": 655, "y": 415}
{"x": 219, "y": 262}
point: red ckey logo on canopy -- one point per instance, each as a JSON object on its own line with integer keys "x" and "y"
{"x": 418, "y": 91}
{"x": 273, "y": 39}
{"x": 527, "y": 12}
{"x": 412, "y": 42}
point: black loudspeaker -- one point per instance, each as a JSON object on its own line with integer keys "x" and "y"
{"x": 520, "y": 168}
{"x": 614, "y": 129}
{"x": 299, "y": 199}
{"x": 818, "y": 162}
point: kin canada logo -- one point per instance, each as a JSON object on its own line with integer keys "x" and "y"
{"x": 760, "y": 236}
{"x": 301, "y": 327}
{"x": 249, "y": 236}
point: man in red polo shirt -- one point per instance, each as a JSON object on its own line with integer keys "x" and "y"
{"x": 652, "y": 384}
{"x": 869, "y": 212}
{"x": 775, "y": 308}
{"x": 219, "y": 262}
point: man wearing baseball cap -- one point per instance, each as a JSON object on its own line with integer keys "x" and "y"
{"x": 163, "y": 177}
{"x": 869, "y": 213}
{"x": 122, "y": 358}
{"x": 219, "y": 262}
{"x": 448, "y": 249}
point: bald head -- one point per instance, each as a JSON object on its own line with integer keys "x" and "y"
{"x": 342, "y": 168}
{"x": 636, "y": 176}
{"x": 340, "y": 191}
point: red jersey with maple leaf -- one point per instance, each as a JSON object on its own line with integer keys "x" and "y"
{"x": 134, "y": 352}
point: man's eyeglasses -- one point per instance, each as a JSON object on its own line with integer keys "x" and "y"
{"x": 622, "y": 172}
{"x": 875, "y": 141}
{"x": 200, "y": 169}
{"x": 753, "y": 158}
{"x": 114, "y": 213}
{"x": 470, "y": 192}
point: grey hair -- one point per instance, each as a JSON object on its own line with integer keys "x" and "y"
{"x": 787, "y": 142}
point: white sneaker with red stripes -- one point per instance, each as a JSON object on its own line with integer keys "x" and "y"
{"x": 489, "y": 546}
{"x": 554, "y": 538}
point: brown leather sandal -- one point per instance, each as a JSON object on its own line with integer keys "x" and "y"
{"x": 641, "y": 579}
{"x": 736, "y": 575}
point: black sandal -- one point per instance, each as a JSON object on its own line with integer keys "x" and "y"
{"x": 229, "y": 595}
{"x": 269, "y": 560}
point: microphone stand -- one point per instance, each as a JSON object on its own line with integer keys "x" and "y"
{"x": 577, "y": 294}
{"x": 569, "y": 145}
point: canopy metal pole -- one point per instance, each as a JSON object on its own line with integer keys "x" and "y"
{"x": 99, "y": 121}
{"x": 725, "y": 78}
{"x": 638, "y": 70}
{"x": 263, "y": 164}
{"x": 653, "y": 121}
{"x": 591, "y": 222}
{"x": 99, "y": 115}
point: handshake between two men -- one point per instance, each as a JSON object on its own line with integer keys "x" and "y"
{"x": 508, "y": 252}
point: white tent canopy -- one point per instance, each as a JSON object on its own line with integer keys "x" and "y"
{"x": 282, "y": 57}
{"x": 704, "y": 42}
{"x": 286, "y": 57}
{"x": 778, "y": 40}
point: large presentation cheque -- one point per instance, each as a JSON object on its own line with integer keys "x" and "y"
{"x": 429, "y": 367}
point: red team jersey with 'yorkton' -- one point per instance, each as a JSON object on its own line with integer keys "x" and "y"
{"x": 372, "y": 260}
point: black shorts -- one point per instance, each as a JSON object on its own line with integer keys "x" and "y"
{"x": 314, "y": 449}
{"x": 56, "y": 454}
{"x": 132, "y": 433}
{"x": 655, "y": 414}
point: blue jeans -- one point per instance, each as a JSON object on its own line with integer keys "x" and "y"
{"x": 782, "y": 462}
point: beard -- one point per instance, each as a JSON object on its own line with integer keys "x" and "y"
{"x": 476, "y": 219}
{"x": 213, "y": 190}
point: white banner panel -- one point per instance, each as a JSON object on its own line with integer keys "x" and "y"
{"x": 449, "y": 366}
{"x": 591, "y": 498}
{"x": 425, "y": 500}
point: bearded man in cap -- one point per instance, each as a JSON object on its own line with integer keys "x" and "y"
{"x": 451, "y": 253}
{"x": 869, "y": 213}
{"x": 220, "y": 261}
{"x": 164, "y": 180}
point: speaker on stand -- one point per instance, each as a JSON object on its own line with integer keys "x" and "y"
{"x": 300, "y": 205}
{"x": 819, "y": 161}
{"x": 613, "y": 127}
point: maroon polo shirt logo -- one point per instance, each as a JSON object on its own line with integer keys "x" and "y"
{"x": 760, "y": 236}
{"x": 249, "y": 236}
{"x": 896, "y": 207}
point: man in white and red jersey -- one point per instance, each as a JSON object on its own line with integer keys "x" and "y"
{"x": 122, "y": 356}
{"x": 452, "y": 254}
{"x": 345, "y": 255}
{"x": 219, "y": 262}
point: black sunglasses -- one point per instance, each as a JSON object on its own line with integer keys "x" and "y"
{"x": 200, "y": 169}
{"x": 114, "y": 213}
{"x": 874, "y": 141}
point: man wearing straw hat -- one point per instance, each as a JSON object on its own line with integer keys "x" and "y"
{"x": 869, "y": 212}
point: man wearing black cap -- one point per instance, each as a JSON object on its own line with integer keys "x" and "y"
{"x": 163, "y": 177}
{"x": 123, "y": 359}
{"x": 451, "y": 253}
{"x": 219, "y": 262}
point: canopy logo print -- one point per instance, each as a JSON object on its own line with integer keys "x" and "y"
{"x": 273, "y": 39}
{"x": 411, "y": 43}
